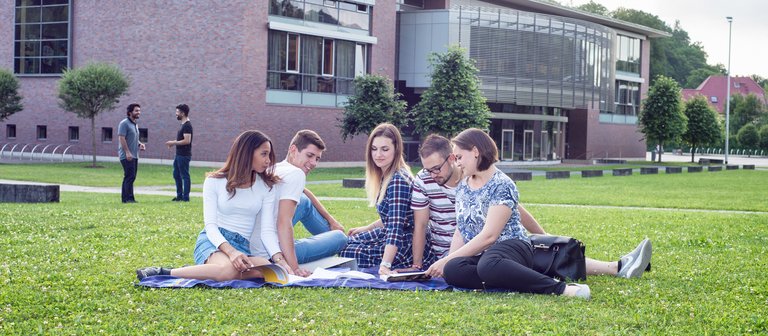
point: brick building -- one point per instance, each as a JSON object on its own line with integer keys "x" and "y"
{"x": 560, "y": 82}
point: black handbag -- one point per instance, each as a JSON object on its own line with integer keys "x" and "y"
{"x": 559, "y": 257}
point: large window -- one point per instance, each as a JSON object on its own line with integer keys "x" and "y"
{"x": 627, "y": 97}
{"x": 314, "y": 64}
{"x": 340, "y": 13}
{"x": 41, "y": 42}
{"x": 628, "y": 54}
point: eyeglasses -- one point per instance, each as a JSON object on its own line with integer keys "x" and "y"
{"x": 436, "y": 170}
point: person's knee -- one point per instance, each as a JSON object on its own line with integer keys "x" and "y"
{"x": 339, "y": 239}
{"x": 452, "y": 271}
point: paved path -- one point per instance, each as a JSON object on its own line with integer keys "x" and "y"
{"x": 158, "y": 190}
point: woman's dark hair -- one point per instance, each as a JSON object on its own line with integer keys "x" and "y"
{"x": 476, "y": 138}
{"x": 238, "y": 169}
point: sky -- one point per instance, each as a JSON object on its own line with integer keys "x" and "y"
{"x": 705, "y": 22}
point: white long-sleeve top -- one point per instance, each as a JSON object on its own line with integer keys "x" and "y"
{"x": 251, "y": 210}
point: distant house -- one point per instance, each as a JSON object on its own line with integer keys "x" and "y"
{"x": 715, "y": 88}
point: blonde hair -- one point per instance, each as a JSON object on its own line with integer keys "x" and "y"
{"x": 376, "y": 180}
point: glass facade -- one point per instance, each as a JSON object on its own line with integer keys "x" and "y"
{"x": 41, "y": 40}
{"x": 309, "y": 63}
{"x": 338, "y": 13}
{"x": 535, "y": 137}
{"x": 627, "y": 97}
{"x": 628, "y": 54}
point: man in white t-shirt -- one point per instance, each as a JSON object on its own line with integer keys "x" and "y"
{"x": 434, "y": 215}
{"x": 296, "y": 204}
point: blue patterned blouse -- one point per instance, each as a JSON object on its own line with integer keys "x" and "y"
{"x": 472, "y": 207}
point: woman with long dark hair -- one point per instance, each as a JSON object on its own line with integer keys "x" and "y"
{"x": 238, "y": 206}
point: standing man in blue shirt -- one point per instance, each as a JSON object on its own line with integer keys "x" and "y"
{"x": 128, "y": 150}
{"x": 183, "y": 145}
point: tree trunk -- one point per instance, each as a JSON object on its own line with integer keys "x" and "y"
{"x": 693, "y": 152}
{"x": 93, "y": 141}
{"x": 661, "y": 149}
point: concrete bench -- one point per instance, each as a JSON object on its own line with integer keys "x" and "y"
{"x": 695, "y": 169}
{"x": 610, "y": 161}
{"x": 520, "y": 176}
{"x": 674, "y": 170}
{"x": 558, "y": 174}
{"x": 622, "y": 172}
{"x": 592, "y": 173}
{"x": 714, "y": 168}
{"x": 751, "y": 167}
{"x": 706, "y": 161}
{"x": 28, "y": 193}
{"x": 732, "y": 167}
{"x": 355, "y": 182}
{"x": 649, "y": 170}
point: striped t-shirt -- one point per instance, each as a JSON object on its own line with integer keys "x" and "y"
{"x": 442, "y": 214}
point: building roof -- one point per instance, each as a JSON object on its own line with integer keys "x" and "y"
{"x": 715, "y": 88}
{"x": 543, "y": 7}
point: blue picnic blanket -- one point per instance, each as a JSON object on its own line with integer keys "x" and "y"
{"x": 167, "y": 281}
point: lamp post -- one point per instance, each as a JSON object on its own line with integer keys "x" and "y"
{"x": 728, "y": 93}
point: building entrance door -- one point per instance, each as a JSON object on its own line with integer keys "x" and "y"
{"x": 527, "y": 145}
{"x": 507, "y": 144}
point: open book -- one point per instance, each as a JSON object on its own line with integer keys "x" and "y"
{"x": 406, "y": 276}
{"x": 277, "y": 274}
{"x": 321, "y": 273}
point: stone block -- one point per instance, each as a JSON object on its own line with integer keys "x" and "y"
{"x": 520, "y": 176}
{"x": 28, "y": 193}
{"x": 558, "y": 174}
{"x": 695, "y": 169}
{"x": 714, "y": 168}
{"x": 674, "y": 170}
{"x": 732, "y": 167}
{"x": 622, "y": 172}
{"x": 751, "y": 167}
{"x": 649, "y": 170}
{"x": 355, "y": 182}
{"x": 592, "y": 173}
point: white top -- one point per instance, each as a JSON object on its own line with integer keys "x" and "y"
{"x": 292, "y": 181}
{"x": 249, "y": 213}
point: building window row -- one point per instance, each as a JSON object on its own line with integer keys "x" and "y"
{"x": 340, "y": 13}
{"x": 73, "y": 133}
{"x": 41, "y": 36}
{"x": 628, "y": 54}
{"x": 314, "y": 64}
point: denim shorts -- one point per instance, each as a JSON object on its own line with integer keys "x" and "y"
{"x": 204, "y": 248}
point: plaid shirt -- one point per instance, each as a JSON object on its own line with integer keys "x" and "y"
{"x": 396, "y": 215}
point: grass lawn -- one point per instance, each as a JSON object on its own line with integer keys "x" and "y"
{"x": 68, "y": 268}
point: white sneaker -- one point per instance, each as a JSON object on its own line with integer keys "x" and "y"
{"x": 583, "y": 292}
{"x": 633, "y": 264}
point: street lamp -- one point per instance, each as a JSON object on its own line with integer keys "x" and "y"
{"x": 728, "y": 92}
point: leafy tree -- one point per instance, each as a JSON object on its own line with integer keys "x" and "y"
{"x": 375, "y": 101}
{"x": 698, "y": 76}
{"x": 745, "y": 110}
{"x": 453, "y": 102}
{"x": 763, "y": 133}
{"x": 661, "y": 116}
{"x": 594, "y": 8}
{"x": 748, "y": 137}
{"x": 90, "y": 90}
{"x": 10, "y": 100}
{"x": 703, "y": 127}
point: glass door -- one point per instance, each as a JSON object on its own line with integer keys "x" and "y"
{"x": 527, "y": 145}
{"x": 507, "y": 144}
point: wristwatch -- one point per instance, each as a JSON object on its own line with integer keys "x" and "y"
{"x": 386, "y": 264}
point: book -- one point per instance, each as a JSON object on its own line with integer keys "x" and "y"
{"x": 330, "y": 262}
{"x": 407, "y": 276}
{"x": 321, "y": 273}
{"x": 276, "y": 274}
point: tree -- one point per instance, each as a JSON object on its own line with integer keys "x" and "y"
{"x": 763, "y": 133}
{"x": 374, "y": 101}
{"x": 748, "y": 137}
{"x": 453, "y": 102}
{"x": 90, "y": 90}
{"x": 745, "y": 110}
{"x": 594, "y": 8}
{"x": 703, "y": 128}
{"x": 10, "y": 100}
{"x": 698, "y": 76}
{"x": 661, "y": 116}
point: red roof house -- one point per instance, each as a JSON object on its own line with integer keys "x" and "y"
{"x": 715, "y": 88}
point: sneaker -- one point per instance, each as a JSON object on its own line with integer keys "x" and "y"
{"x": 583, "y": 292}
{"x": 176, "y": 199}
{"x": 142, "y": 273}
{"x": 634, "y": 263}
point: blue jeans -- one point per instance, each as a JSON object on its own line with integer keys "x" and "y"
{"x": 324, "y": 241}
{"x": 181, "y": 175}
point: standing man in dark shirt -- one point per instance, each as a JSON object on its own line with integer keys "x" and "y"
{"x": 128, "y": 150}
{"x": 183, "y": 145}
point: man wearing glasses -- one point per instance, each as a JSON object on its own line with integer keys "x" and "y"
{"x": 434, "y": 216}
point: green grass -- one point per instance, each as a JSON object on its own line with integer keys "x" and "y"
{"x": 68, "y": 268}
{"x": 110, "y": 175}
